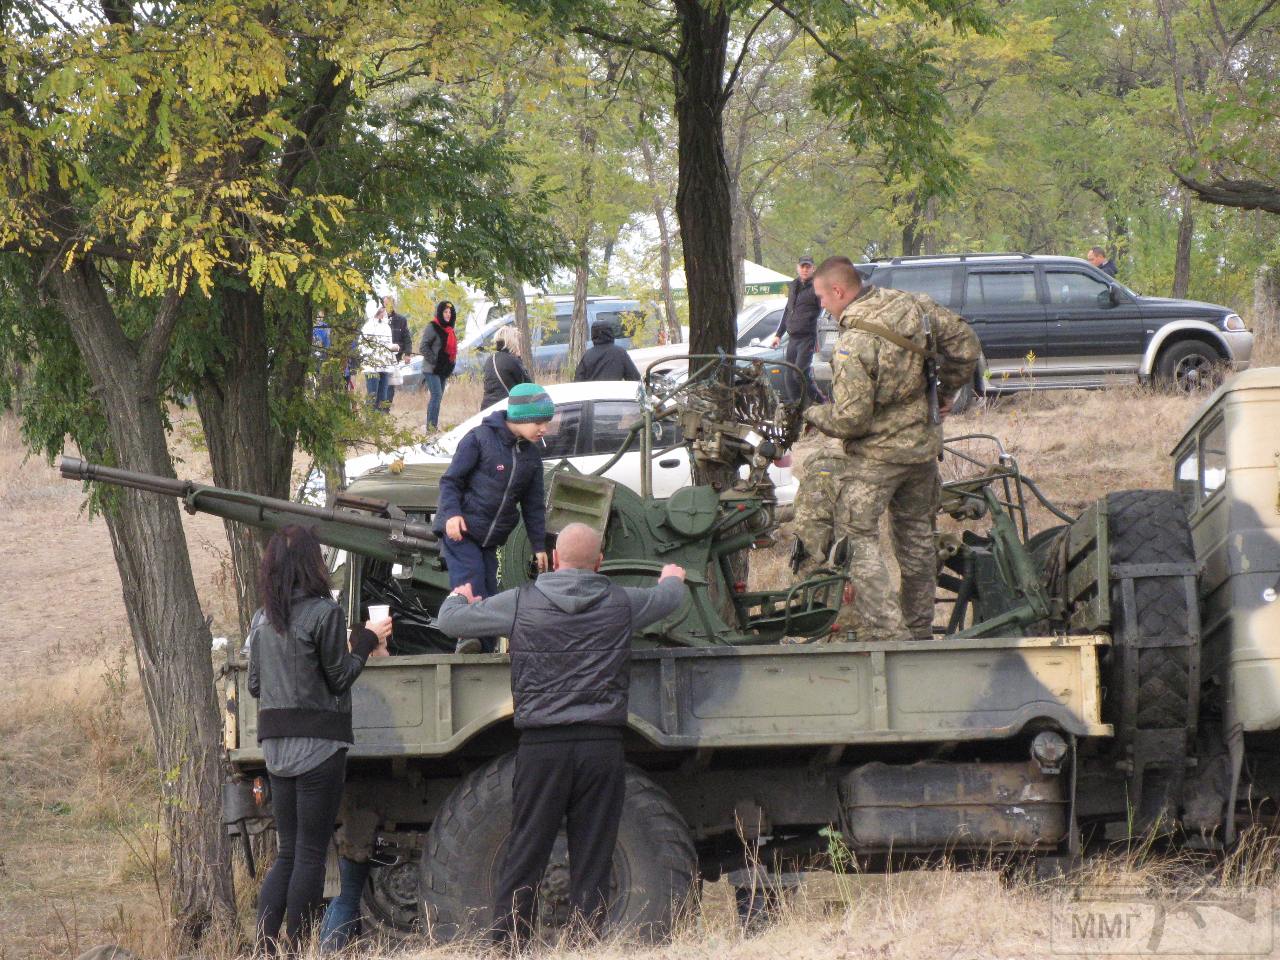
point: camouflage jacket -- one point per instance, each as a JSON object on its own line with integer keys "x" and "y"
{"x": 879, "y": 407}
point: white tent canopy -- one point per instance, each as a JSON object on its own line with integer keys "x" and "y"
{"x": 758, "y": 279}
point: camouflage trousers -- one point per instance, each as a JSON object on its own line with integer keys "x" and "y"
{"x": 816, "y": 524}
{"x": 909, "y": 493}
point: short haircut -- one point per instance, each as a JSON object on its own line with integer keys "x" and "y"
{"x": 578, "y": 546}
{"x": 839, "y": 270}
{"x": 1098, "y": 252}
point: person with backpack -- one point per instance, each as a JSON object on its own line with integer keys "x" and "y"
{"x": 439, "y": 348}
{"x": 503, "y": 370}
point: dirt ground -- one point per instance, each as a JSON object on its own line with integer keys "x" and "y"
{"x": 79, "y": 850}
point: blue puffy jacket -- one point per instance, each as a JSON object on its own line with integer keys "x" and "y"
{"x": 493, "y": 471}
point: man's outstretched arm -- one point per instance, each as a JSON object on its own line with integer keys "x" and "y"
{"x": 491, "y": 617}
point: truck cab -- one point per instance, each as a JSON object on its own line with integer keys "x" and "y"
{"x": 1226, "y": 469}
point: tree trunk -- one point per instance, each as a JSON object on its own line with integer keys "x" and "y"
{"x": 757, "y": 235}
{"x": 1266, "y": 302}
{"x": 738, "y": 246}
{"x": 235, "y": 408}
{"x": 520, "y": 306}
{"x": 672, "y": 320}
{"x": 170, "y": 634}
{"x": 929, "y": 243}
{"x": 703, "y": 201}
{"x": 1182, "y": 259}
{"x": 578, "y": 333}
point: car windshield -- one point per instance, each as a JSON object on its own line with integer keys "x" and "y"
{"x": 484, "y": 332}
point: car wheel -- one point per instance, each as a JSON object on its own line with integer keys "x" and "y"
{"x": 1188, "y": 366}
{"x": 965, "y": 399}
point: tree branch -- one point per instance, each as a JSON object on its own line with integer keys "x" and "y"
{"x": 1244, "y": 194}
{"x": 746, "y": 48}
{"x": 813, "y": 34}
{"x": 1249, "y": 24}
{"x": 635, "y": 44}
{"x": 155, "y": 347}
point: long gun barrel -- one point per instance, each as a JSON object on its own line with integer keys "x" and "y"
{"x": 391, "y": 538}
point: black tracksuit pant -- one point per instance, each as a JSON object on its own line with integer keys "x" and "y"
{"x": 582, "y": 784}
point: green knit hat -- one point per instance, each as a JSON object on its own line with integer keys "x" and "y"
{"x": 529, "y": 403}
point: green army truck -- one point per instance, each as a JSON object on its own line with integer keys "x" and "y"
{"x": 1074, "y": 694}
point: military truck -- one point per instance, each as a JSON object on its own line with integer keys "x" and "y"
{"x": 1067, "y": 701}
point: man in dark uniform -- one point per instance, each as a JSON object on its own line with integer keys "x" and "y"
{"x": 570, "y": 634}
{"x": 1098, "y": 257}
{"x": 800, "y": 323}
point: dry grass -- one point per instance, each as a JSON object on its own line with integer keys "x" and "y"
{"x": 77, "y": 819}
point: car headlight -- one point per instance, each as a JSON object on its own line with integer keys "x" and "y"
{"x": 1233, "y": 323}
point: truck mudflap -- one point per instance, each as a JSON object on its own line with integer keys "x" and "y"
{"x": 954, "y": 806}
{"x": 783, "y": 695}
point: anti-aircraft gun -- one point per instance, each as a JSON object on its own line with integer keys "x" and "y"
{"x": 383, "y": 521}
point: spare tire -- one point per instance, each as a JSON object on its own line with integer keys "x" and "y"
{"x": 654, "y": 863}
{"x": 1145, "y": 527}
{"x": 1153, "y": 663}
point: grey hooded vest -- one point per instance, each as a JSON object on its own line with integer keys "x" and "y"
{"x": 570, "y": 668}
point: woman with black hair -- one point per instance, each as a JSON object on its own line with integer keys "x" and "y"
{"x": 439, "y": 349}
{"x": 301, "y": 672}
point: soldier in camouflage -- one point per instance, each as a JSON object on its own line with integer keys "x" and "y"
{"x": 880, "y": 409}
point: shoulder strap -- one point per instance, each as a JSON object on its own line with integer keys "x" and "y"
{"x": 897, "y": 339}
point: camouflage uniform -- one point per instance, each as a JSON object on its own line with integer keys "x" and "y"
{"x": 880, "y": 410}
{"x": 817, "y": 525}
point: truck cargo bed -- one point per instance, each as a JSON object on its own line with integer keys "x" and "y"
{"x": 766, "y": 696}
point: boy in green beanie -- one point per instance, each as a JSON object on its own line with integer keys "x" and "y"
{"x": 496, "y": 469}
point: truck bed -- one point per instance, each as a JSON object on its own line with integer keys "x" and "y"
{"x": 766, "y": 696}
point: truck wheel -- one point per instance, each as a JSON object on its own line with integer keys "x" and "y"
{"x": 654, "y": 864}
{"x": 1150, "y": 526}
{"x": 1189, "y": 365}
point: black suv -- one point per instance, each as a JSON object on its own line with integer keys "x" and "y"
{"x": 1060, "y": 322}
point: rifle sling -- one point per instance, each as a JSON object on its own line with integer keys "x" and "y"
{"x": 897, "y": 339}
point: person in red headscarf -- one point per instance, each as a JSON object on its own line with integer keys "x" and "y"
{"x": 439, "y": 349}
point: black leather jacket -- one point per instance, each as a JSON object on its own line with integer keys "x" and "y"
{"x": 303, "y": 679}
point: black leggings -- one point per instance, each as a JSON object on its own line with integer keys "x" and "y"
{"x": 306, "y": 809}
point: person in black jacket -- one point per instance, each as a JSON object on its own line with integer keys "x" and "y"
{"x": 439, "y": 348}
{"x": 400, "y": 336}
{"x": 503, "y": 370}
{"x": 800, "y": 323}
{"x": 301, "y": 672}
{"x": 1098, "y": 257}
{"x": 496, "y": 469}
{"x": 604, "y": 359}
{"x": 570, "y": 634}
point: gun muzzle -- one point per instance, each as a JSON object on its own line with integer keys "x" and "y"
{"x": 73, "y": 468}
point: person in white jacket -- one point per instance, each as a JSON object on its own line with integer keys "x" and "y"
{"x": 378, "y": 348}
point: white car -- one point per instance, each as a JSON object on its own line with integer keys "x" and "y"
{"x": 591, "y": 422}
{"x": 756, "y": 324}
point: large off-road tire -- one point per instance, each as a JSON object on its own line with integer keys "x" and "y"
{"x": 654, "y": 864}
{"x": 1150, "y": 526}
{"x": 1189, "y": 365}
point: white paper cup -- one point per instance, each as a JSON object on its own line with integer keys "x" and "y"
{"x": 379, "y": 611}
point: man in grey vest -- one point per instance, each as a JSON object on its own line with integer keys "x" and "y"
{"x": 570, "y": 639}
